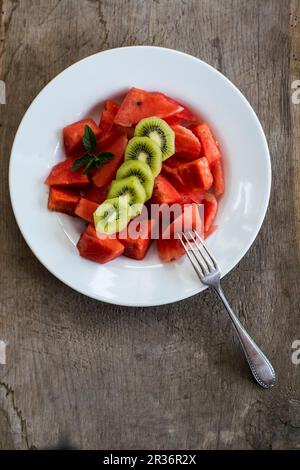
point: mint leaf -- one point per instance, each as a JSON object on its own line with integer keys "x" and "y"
{"x": 91, "y": 161}
{"x": 109, "y": 155}
{"x": 80, "y": 162}
{"x": 89, "y": 140}
{"x": 103, "y": 157}
{"x": 89, "y": 166}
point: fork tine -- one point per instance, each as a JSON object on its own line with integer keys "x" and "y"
{"x": 202, "y": 253}
{"x": 202, "y": 264}
{"x": 206, "y": 250}
{"x": 194, "y": 257}
{"x": 195, "y": 266}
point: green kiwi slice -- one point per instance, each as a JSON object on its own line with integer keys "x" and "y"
{"x": 132, "y": 189}
{"x": 145, "y": 150}
{"x": 112, "y": 216}
{"x": 140, "y": 169}
{"x": 160, "y": 132}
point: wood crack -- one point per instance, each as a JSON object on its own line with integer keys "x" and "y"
{"x": 9, "y": 393}
{"x": 49, "y": 13}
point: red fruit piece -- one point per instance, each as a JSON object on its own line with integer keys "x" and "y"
{"x": 186, "y": 143}
{"x": 185, "y": 114}
{"x": 164, "y": 192}
{"x": 209, "y": 146}
{"x": 196, "y": 174}
{"x": 129, "y": 132}
{"x": 175, "y": 161}
{"x": 97, "y": 249}
{"x": 169, "y": 247}
{"x": 112, "y": 106}
{"x": 85, "y": 209}
{"x": 106, "y": 173}
{"x": 173, "y": 120}
{"x": 192, "y": 195}
{"x": 172, "y": 175}
{"x": 108, "y": 115}
{"x": 189, "y": 219}
{"x": 185, "y": 193}
{"x": 63, "y": 200}
{"x": 73, "y": 133}
{"x": 139, "y": 104}
{"x": 61, "y": 175}
{"x": 95, "y": 194}
{"x": 188, "y": 195}
{"x": 137, "y": 247}
{"x": 110, "y": 137}
{"x": 169, "y": 250}
{"x": 210, "y": 211}
{"x": 216, "y": 169}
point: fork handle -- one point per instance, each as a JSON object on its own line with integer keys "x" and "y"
{"x": 260, "y": 366}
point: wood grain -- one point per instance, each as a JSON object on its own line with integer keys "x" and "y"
{"x": 102, "y": 376}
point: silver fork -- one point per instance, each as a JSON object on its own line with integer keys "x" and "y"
{"x": 209, "y": 274}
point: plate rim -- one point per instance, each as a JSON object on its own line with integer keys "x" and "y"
{"x": 268, "y": 181}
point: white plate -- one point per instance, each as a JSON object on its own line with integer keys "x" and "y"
{"x": 77, "y": 92}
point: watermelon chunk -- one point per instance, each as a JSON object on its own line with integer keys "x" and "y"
{"x": 106, "y": 173}
{"x": 189, "y": 219}
{"x": 97, "y": 249}
{"x": 137, "y": 248}
{"x": 111, "y": 105}
{"x": 188, "y": 194}
{"x": 108, "y": 115}
{"x": 61, "y": 175}
{"x": 186, "y": 143}
{"x": 185, "y": 114}
{"x": 175, "y": 161}
{"x": 196, "y": 174}
{"x": 95, "y": 194}
{"x": 85, "y": 209}
{"x": 110, "y": 137}
{"x": 164, "y": 192}
{"x": 63, "y": 200}
{"x": 139, "y": 104}
{"x": 210, "y": 211}
{"x": 73, "y": 133}
{"x": 169, "y": 250}
{"x": 209, "y": 146}
{"x": 217, "y": 172}
{"x": 173, "y": 120}
{"x": 169, "y": 247}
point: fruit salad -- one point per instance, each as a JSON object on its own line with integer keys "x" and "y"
{"x": 147, "y": 152}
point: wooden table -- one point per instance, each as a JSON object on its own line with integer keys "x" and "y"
{"x": 106, "y": 377}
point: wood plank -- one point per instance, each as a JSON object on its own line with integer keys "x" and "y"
{"x": 295, "y": 108}
{"x": 103, "y": 376}
{"x": 1, "y": 39}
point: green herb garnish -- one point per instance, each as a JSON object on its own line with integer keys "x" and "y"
{"x": 91, "y": 159}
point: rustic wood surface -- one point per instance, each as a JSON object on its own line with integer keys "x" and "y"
{"x": 102, "y": 376}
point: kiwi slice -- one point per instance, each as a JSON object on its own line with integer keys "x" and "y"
{"x": 132, "y": 189}
{"x": 112, "y": 216}
{"x": 145, "y": 150}
{"x": 140, "y": 169}
{"x": 160, "y": 132}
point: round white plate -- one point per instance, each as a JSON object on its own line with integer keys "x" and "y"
{"x": 78, "y": 92}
